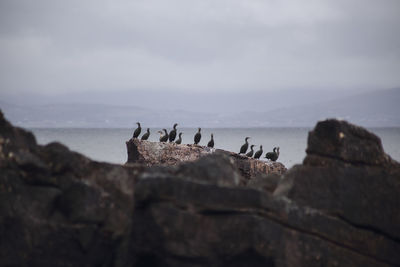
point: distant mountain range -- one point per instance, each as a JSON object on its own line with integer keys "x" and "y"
{"x": 373, "y": 109}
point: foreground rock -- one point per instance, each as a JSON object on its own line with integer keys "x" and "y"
{"x": 156, "y": 153}
{"x": 347, "y": 174}
{"x": 58, "y": 208}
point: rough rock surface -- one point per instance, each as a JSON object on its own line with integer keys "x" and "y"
{"x": 358, "y": 183}
{"x": 156, "y": 153}
{"x": 334, "y": 139}
{"x": 58, "y": 208}
{"x": 265, "y": 182}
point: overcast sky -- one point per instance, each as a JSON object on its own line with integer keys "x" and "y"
{"x": 53, "y": 46}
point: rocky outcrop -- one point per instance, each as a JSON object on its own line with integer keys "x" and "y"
{"x": 58, "y": 208}
{"x": 347, "y": 174}
{"x": 334, "y": 140}
{"x": 157, "y": 153}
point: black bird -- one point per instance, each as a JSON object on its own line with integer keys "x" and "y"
{"x": 136, "y": 133}
{"x": 146, "y": 135}
{"x": 164, "y": 138}
{"x": 270, "y": 155}
{"x": 277, "y": 152}
{"x": 251, "y": 152}
{"x": 179, "y": 141}
{"x": 273, "y": 156}
{"x": 244, "y": 147}
{"x": 172, "y": 134}
{"x": 197, "y": 137}
{"x": 211, "y": 143}
{"x": 258, "y": 154}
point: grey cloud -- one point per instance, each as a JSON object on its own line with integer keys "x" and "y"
{"x": 52, "y": 45}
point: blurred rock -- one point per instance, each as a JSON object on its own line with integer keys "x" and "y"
{"x": 347, "y": 174}
{"x": 340, "y": 140}
{"x": 265, "y": 182}
{"x": 58, "y": 208}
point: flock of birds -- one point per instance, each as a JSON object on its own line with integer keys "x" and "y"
{"x": 171, "y": 136}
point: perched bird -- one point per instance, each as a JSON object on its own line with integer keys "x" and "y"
{"x": 251, "y": 152}
{"x": 146, "y": 135}
{"x": 258, "y": 154}
{"x": 172, "y": 134}
{"x": 136, "y": 133}
{"x": 244, "y": 147}
{"x": 163, "y": 138}
{"x": 270, "y": 155}
{"x": 197, "y": 137}
{"x": 277, "y": 152}
{"x": 273, "y": 156}
{"x": 179, "y": 141}
{"x": 211, "y": 142}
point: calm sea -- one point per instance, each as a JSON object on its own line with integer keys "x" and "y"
{"x": 109, "y": 144}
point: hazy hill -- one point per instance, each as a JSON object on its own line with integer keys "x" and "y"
{"x": 378, "y": 108}
{"x": 96, "y": 115}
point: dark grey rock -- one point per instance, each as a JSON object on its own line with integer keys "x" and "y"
{"x": 349, "y": 177}
{"x": 58, "y": 208}
{"x": 267, "y": 183}
{"x": 334, "y": 139}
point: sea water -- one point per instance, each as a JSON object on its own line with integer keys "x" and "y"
{"x": 108, "y": 144}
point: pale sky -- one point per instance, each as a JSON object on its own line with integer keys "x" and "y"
{"x": 56, "y": 46}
